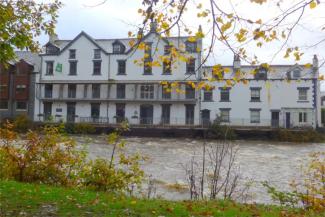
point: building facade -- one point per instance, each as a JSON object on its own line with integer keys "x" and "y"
{"x": 17, "y": 86}
{"x": 98, "y": 81}
{"x": 95, "y": 80}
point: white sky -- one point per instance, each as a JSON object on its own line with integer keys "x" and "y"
{"x": 116, "y": 17}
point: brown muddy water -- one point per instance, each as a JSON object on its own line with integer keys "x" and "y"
{"x": 275, "y": 162}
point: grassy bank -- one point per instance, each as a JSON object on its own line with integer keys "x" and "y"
{"x": 20, "y": 199}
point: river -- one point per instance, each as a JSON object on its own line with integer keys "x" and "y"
{"x": 275, "y": 162}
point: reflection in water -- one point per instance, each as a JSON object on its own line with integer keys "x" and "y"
{"x": 275, "y": 162}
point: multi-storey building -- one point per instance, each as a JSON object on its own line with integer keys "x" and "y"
{"x": 17, "y": 85}
{"x": 97, "y": 80}
{"x": 286, "y": 96}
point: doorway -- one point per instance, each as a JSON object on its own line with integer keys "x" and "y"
{"x": 205, "y": 115}
{"x": 288, "y": 121}
{"x": 71, "y": 112}
{"x": 165, "y": 114}
{"x": 146, "y": 114}
{"x": 47, "y": 111}
{"x": 189, "y": 114}
{"x": 120, "y": 112}
{"x": 275, "y": 119}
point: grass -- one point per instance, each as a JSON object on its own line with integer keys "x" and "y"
{"x": 21, "y": 199}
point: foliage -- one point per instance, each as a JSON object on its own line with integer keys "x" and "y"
{"x": 219, "y": 131}
{"x": 42, "y": 200}
{"x": 121, "y": 173}
{"x": 21, "y": 22}
{"x": 84, "y": 128}
{"x": 51, "y": 158}
{"x": 22, "y": 123}
{"x": 310, "y": 192}
{"x": 297, "y": 136}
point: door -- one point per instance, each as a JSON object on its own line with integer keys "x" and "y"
{"x": 189, "y": 114}
{"x": 165, "y": 114}
{"x": 288, "y": 121}
{"x": 205, "y": 115}
{"x": 146, "y": 114}
{"x": 120, "y": 112}
{"x": 95, "y": 112}
{"x": 71, "y": 112}
{"x": 275, "y": 119}
{"x": 47, "y": 111}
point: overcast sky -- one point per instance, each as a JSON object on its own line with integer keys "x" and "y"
{"x": 116, "y": 17}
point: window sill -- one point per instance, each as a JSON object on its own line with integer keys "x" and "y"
{"x": 255, "y": 122}
{"x": 224, "y": 101}
{"x": 255, "y": 101}
{"x": 166, "y": 74}
{"x": 302, "y": 101}
{"x": 147, "y": 74}
{"x": 208, "y": 100}
{"x": 96, "y": 74}
{"x": 120, "y": 74}
{"x": 49, "y": 74}
{"x": 72, "y": 74}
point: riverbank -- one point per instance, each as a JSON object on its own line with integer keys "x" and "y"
{"x": 21, "y": 199}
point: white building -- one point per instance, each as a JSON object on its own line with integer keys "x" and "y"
{"x": 286, "y": 96}
{"x": 97, "y": 80}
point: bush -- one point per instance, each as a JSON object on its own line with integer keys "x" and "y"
{"x": 54, "y": 158}
{"x": 297, "y": 136}
{"x": 84, "y": 128}
{"x": 218, "y": 131}
{"x": 22, "y": 123}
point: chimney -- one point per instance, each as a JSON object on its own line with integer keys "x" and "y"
{"x": 53, "y": 37}
{"x": 315, "y": 62}
{"x": 237, "y": 63}
{"x": 153, "y": 26}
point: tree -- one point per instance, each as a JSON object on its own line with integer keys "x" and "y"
{"x": 21, "y": 21}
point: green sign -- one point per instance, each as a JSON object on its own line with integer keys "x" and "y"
{"x": 58, "y": 67}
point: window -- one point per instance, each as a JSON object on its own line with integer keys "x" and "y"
{"x": 95, "y": 110}
{"x": 97, "y": 54}
{"x": 191, "y": 47}
{"x": 120, "y": 91}
{"x": 224, "y": 114}
{"x": 85, "y": 90}
{"x": 255, "y": 94}
{"x": 147, "y": 67}
{"x": 72, "y": 54}
{"x": 167, "y": 49}
{"x": 121, "y": 67}
{"x": 255, "y": 115}
{"x": 48, "y": 90}
{"x": 302, "y": 117}
{"x": 73, "y": 68}
{"x": 51, "y": 49}
{"x": 72, "y": 90}
{"x": 261, "y": 73}
{"x": 97, "y": 67}
{"x": 118, "y": 48}
{"x": 208, "y": 95}
{"x": 302, "y": 93}
{"x": 189, "y": 92}
{"x": 167, "y": 70}
{"x": 166, "y": 92}
{"x": 21, "y": 105}
{"x": 3, "y": 88}
{"x": 20, "y": 88}
{"x": 296, "y": 74}
{"x": 190, "y": 66}
{"x": 147, "y": 50}
{"x": 3, "y": 105}
{"x": 49, "y": 67}
{"x": 96, "y": 90}
{"x": 224, "y": 94}
{"x": 146, "y": 91}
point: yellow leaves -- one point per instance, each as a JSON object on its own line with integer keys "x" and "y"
{"x": 321, "y": 78}
{"x": 133, "y": 202}
{"x": 203, "y": 14}
{"x": 142, "y": 46}
{"x": 199, "y": 35}
{"x": 192, "y": 39}
{"x": 199, "y": 6}
{"x": 259, "y": 1}
{"x": 308, "y": 65}
{"x": 312, "y": 4}
{"x": 226, "y": 70}
{"x": 219, "y": 20}
{"x": 241, "y": 35}
{"x": 164, "y": 25}
{"x": 226, "y": 26}
{"x": 259, "y": 44}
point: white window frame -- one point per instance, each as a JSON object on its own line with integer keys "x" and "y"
{"x": 302, "y": 94}
{"x": 225, "y": 115}
{"x": 147, "y": 91}
{"x": 255, "y": 116}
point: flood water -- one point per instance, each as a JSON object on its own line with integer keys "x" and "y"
{"x": 275, "y": 162}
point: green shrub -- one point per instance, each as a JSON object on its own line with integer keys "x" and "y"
{"x": 218, "y": 131}
{"x": 69, "y": 128}
{"x": 84, "y": 128}
{"x": 286, "y": 135}
{"x": 22, "y": 123}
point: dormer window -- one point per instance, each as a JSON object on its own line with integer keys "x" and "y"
{"x": 51, "y": 49}
{"x": 72, "y": 54}
{"x": 296, "y": 74}
{"x": 261, "y": 73}
{"x": 118, "y": 47}
{"x": 191, "y": 46}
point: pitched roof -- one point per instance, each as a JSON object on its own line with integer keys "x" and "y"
{"x": 30, "y": 58}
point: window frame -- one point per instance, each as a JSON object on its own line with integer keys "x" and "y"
{"x": 191, "y": 47}
{"x": 147, "y": 91}
{"x": 72, "y": 54}
{"x": 189, "y": 92}
{"x": 255, "y": 94}
{"x": 257, "y": 114}
{"x": 71, "y": 63}
{"x": 97, "y": 67}
{"x": 190, "y": 66}
{"x": 97, "y": 54}
{"x": 21, "y": 109}
{"x": 4, "y": 102}
{"x": 222, "y": 112}
{"x": 303, "y": 117}
{"x": 120, "y": 91}
{"x": 224, "y": 94}
{"x": 95, "y": 91}
{"x": 121, "y": 64}
{"x": 48, "y": 94}
{"x": 48, "y": 71}
{"x": 303, "y": 97}
{"x": 208, "y": 95}
{"x": 72, "y": 91}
